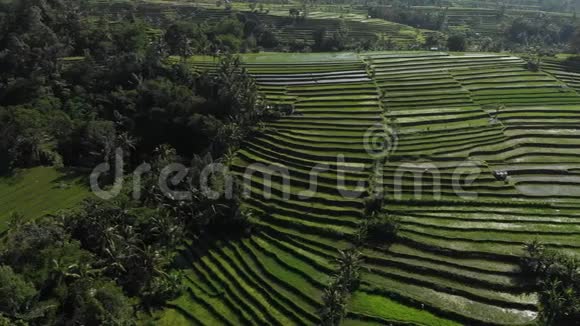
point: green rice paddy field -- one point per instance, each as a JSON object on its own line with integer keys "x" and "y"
{"x": 456, "y": 259}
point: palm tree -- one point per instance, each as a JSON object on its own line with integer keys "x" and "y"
{"x": 61, "y": 271}
{"x": 533, "y": 262}
{"x": 228, "y": 157}
{"x": 116, "y": 260}
{"x": 553, "y": 302}
{"x": 126, "y": 142}
{"x": 16, "y": 221}
{"x": 85, "y": 270}
{"x": 151, "y": 261}
{"x": 349, "y": 268}
{"x": 571, "y": 271}
{"x": 534, "y": 248}
{"x": 362, "y": 233}
{"x": 167, "y": 229}
{"x": 334, "y": 309}
{"x": 373, "y": 204}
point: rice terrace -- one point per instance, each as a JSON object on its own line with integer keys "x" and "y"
{"x": 289, "y": 162}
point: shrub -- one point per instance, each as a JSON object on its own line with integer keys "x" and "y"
{"x": 575, "y": 59}
{"x": 162, "y": 289}
{"x": 457, "y": 43}
{"x": 374, "y": 204}
{"x": 383, "y": 228}
{"x": 349, "y": 269}
{"x": 230, "y": 42}
{"x": 98, "y": 303}
{"x": 268, "y": 39}
{"x": 558, "y": 278}
{"x": 334, "y": 305}
{"x": 15, "y": 293}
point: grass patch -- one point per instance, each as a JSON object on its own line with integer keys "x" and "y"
{"x": 38, "y": 191}
{"x": 379, "y": 306}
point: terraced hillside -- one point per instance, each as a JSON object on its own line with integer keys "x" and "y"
{"x": 286, "y": 29}
{"x": 508, "y": 135}
{"x": 485, "y": 17}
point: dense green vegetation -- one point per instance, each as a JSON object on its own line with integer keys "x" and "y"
{"x": 557, "y": 275}
{"x": 124, "y": 93}
{"x": 61, "y": 111}
{"x": 165, "y": 83}
{"x": 391, "y": 25}
{"x": 284, "y": 29}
